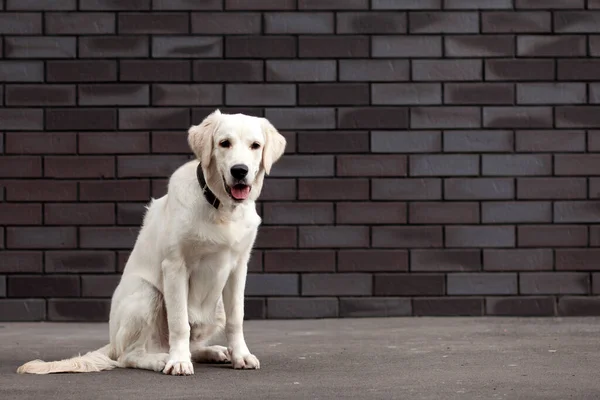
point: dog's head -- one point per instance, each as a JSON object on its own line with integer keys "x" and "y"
{"x": 236, "y": 151}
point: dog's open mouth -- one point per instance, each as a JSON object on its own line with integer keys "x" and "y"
{"x": 238, "y": 192}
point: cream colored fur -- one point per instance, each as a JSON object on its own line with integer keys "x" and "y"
{"x": 184, "y": 281}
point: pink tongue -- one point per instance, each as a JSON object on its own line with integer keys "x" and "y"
{"x": 240, "y": 192}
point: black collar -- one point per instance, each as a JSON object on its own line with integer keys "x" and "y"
{"x": 208, "y": 194}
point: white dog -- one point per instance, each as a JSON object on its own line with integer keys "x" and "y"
{"x": 186, "y": 275}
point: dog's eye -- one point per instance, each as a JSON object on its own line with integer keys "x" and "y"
{"x": 225, "y": 144}
{"x": 255, "y": 146}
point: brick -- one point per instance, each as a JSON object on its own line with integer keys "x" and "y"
{"x": 41, "y": 5}
{"x": 21, "y": 119}
{"x": 80, "y": 23}
{"x": 338, "y": 284}
{"x": 20, "y": 166}
{"x": 187, "y": 5}
{"x": 551, "y": 188}
{"x": 478, "y": 93}
{"x": 409, "y": 284}
{"x": 71, "y": 310}
{"x": 578, "y": 69}
{"x": 153, "y": 118}
{"x": 78, "y": 261}
{"x": 79, "y": 167}
{"x": 518, "y": 259}
{"x": 81, "y": 71}
{"x": 21, "y": 71}
{"x": 41, "y": 237}
{"x": 577, "y": 259}
{"x": 519, "y": 70}
{"x": 301, "y": 70}
{"x": 443, "y": 213}
{"x": 299, "y": 261}
{"x": 298, "y": 23}
{"x": 130, "y": 213}
{"x": 516, "y": 212}
{"x": 82, "y": 118}
{"x": 554, "y": 283}
{"x": 478, "y": 141}
{"x": 373, "y": 70}
{"x": 576, "y": 211}
{"x": 551, "y": 93}
{"x": 447, "y": 306}
{"x": 443, "y": 165}
{"x": 593, "y": 140}
{"x": 551, "y": 46}
{"x": 20, "y": 23}
{"x": 372, "y": 260}
{"x": 113, "y": 142}
{"x": 111, "y": 46}
{"x": 20, "y": 214}
{"x": 405, "y": 141}
{"x": 107, "y": 237}
{"x": 153, "y": 23}
{"x": 298, "y": 213}
{"x": 372, "y": 118}
{"x": 479, "y": 189}
{"x": 272, "y": 285}
{"x": 371, "y": 22}
{"x": 445, "y": 117}
{"x": 20, "y": 310}
{"x": 594, "y": 188}
{"x": 302, "y": 118}
{"x": 155, "y": 70}
{"x": 114, "y": 5}
{"x": 226, "y": 23}
{"x": 577, "y": 21}
{"x": 122, "y": 258}
{"x": 333, "y": 236}
{"x": 304, "y": 166}
{"x": 516, "y": 22}
{"x": 520, "y": 306}
{"x": 272, "y": 237}
{"x": 345, "y": 46}
{"x": 477, "y": 4}
{"x": 406, "y": 4}
{"x": 446, "y": 70}
{"x": 333, "y": 94}
{"x": 41, "y": 190}
{"x": 254, "y": 308}
{"x": 149, "y": 166}
{"x": 594, "y": 236}
{"x": 406, "y": 189}
{"x": 260, "y": 47}
{"x": 550, "y": 141}
{"x": 184, "y": 47}
{"x": 333, "y": 142}
{"x": 407, "y": 236}
{"x": 327, "y": 4}
{"x": 371, "y": 165}
{"x": 445, "y": 260}
{"x": 186, "y": 94}
{"x": 579, "y": 306}
{"x": 260, "y": 94}
{"x": 40, "y": 95}
{"x": 576, "y": 164}
{"x": 552, "y": 236}
{"x": 479, "y": 46}
{"x": 302, "y": 308}
{"x": 114, "y": 94}
{"x": 333, "y": 189}
{"x": 406, "y": 46}
{"x": 594, "y": 93}
{"x": 256, "y": 262}
{"x": 371, "y": 213}
{"x": 228, "y": 70}
{"x": 260, "y": 5}
{"x": 517, "y": 117}
{"x": 482, "y": 284}
{"x": 549, "y": 4}
{"x": 79, "y": 214}
{"x": 279, "y": 189}
{"x": 517, "y": 165}
{"x": 480, "y": 236}
{"x": 406, "y": 93}
{"x": 443, "y": 22}
{"x": 594, "y": 50}
{"x": 21, "y": 262}
{"x": 577, "y": 117}
{"x": 99, "y": 285}
{"x": 357, "y": 307}
{"x": 43, "y": 286}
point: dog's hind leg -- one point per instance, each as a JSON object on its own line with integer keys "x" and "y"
{"x": 139, "y": 358}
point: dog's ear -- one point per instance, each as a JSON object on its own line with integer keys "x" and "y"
{"x": 274, "y": 145}
{"x": 200, "y": 138}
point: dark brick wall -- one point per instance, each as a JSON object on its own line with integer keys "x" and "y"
{"x": 443, "y": 158}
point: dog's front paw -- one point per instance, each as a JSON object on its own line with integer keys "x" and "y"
{"x": 179, "y": 368}
{"x": 244, "y": 361}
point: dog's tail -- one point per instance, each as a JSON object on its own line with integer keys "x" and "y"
{"x": 93, "y": 361}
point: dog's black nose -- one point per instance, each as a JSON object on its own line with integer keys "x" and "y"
{"x": 239, "y": 171}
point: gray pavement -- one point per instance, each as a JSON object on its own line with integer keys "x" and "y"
{"x": 399, "y": 358}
